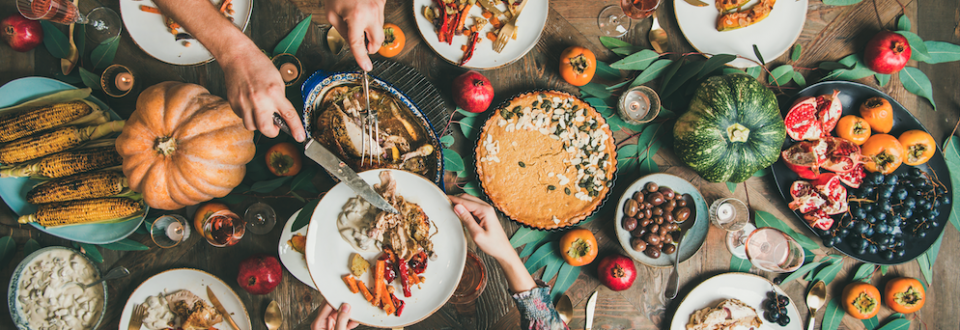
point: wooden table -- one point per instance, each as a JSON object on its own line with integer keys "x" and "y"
{"x": 829, "y": 34}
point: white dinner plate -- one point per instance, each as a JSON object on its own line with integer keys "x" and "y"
{"x": 773, "y": 35}
{"x": 197, "y": 282}
{"x": 529, "y": 27}
{"x": 328, "y": 253}
{"x": 291, "y": 259}
{"x": 151, "y": 35}
{"x": 748, "y": 288}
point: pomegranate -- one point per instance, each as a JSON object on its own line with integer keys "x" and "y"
{"x": 887, "y": 52}
{"x": 805, "y": 158}
{"x": 813, "y": 117}
{"x": 842, "y": 155}
{"x": 260, "y": 274}
{"x": 854, "y": 178}
{"x": 472, "y": 92}
{"x": 20, "y": 33}
{"x": 819, "y": 219}
{"x": 617, "y": 272}
{"x": 829, "y": 185}
{"x": 806, "y": 199}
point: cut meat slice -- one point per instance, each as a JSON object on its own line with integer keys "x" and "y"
{"x": 806, "y": 198}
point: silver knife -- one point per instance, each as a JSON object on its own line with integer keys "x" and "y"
{"x": 591, "y": 306}
{"x": 338, "y": 168}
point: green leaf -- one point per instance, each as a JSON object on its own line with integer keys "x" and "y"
{"x": 627, "y": 50}
{"x": 765, "y": 219}
{"x": 739, "y": 265}
{"x": 8, "y": 248}
{"x": 871, "y": 323}
{"x": 841, "y": 2}
{"x": 466, "y": 113}
{"x": 883, "y": 270}
{"x": 927, "y": 259}
{"x": 56, "y": 42}
{"x": 627, "y": 165}
{"x": 29, "y": 247}
{"x": 447, "y": 140}
{"x": 732, "y": 186}
{"x": 914, "y": 81}
{"x": 918, "y": 50}
{"x": 472, "y": 188}
{"x": 669, "y": 72}
{"x": 291, "y": 43}
{"x": 830, "y": 66}
{"x": 799, "y": 79}
{"x": 897, "y": 324}
{"x": 683, "y": 75}
{"x": 829, "y": 272}
{"x": 526, "y": 235}
{"x": 452, "y": 161}
{"x": 648, "y": 166}
{"x": 305, "y": 214}
{"x": 652, "y": 72}
{"x": 795, "y": 55}
{"x": 934, "y": 250}
{"x": 604, "y": 71}
{"x": 553, "y": 264}
{"x": 467, "y": 127}
{"x": 125, "y": 244}
{"x": 951, "y": 152}
{"x": 864, "y": 272}
{"x": 89, "y": 78}
{"x": 267, "y": 186}
{"x": 638, "y": 61}
{"x": 103, "y": 55}
{"x": 882, "y": 79}
{"x": 73, "y": 78}
{"x": 565, "y": 278}
{"x": 618, "y": 85}
{"x": 903, "y": 24}
{"x": 612, "y": 43}
{"x": 762, "y": 173}
{"x": 80, "y": 37}
{"x": 832, "y": 316}
{"x": 715, "y": 62}
{"x": 298, "y": 197}
{"x": 304, "y": 179}
{"x": 803, "y": 270}
{"x": 941, "y": 52}
{"x": 781, "y": 75}
{"x": 808, "y": 256}
{"x": 754, "y": 71}
{"x": 756, "y": 51}
{"x": 596, "y": 89}
{"x": 91, "y": 251}
{"x": 859, "y": 70}
{"x": 537, "y": 259}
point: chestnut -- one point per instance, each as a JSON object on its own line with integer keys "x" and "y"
{"x": 655, "y": 198}
{"x": 651, "y": 238}
{"x": 645, "y": 222}
{"x": 652, "y": 252}
{"x": 639, "y": 196}
{"x": 638, "y": 244}
{"x": 681, "y": 214}
{"x": 657, "y": 211}
{"x": 652, "y": 187}
{"x": 669, "y": 248}
{"x": 654, "y": 228}
{"x": 667, "y": 192}
{"x": 629, "y": 223}
{"x": 630, "y": 208}
{"x": 681, "y": 203}
{"x": 638, "y": 232}
{"x": 658, "y": 220}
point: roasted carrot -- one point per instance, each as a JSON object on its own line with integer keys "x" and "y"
{"x": 378, "y": 281}
{"x": 351, "y": 283}
{"x": 388, "y": 304}
{"x": 487, "y": 14}
{"x": 492, "y": 36}
{"x": 463, "y": 16}
{"x": 495, "y": 21}
{"x": 149, "y": 9}
{"x": 364, "y": 291}
{"x": 223, "y": 6}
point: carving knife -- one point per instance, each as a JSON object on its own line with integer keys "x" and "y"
{"x": 318, "y": 153}
{"x": 220, "y": 309}
{"x": 591, "y": 306}
{"x": 697, "y": 3}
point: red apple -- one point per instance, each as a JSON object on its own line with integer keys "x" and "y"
{"x": 260, "y": 274}
{"x": 887, "y": 52}
{"x": 20, "y": 33}
{"x": 472, "y": 92}
{"x": 617, "y": 272}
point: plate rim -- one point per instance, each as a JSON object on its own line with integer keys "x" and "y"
{"x": 792, "y": 306}
{"x": 14, "y": 313}
{"x": 287, "y": 231}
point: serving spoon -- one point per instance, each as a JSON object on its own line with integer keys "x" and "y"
{"x": 815, "y": 299}
{"x": 657, "y": 36}
{"x": 565, "y": 309}
{"x": 273, "y": 317}
{"x": 673, "y": 281}
{"x": 113, "y": 274}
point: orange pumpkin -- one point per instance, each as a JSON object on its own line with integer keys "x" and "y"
{"x": 183, "y": 146}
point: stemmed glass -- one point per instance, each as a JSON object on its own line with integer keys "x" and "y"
{"x": 615, "y": 23}
{"x": 260, "y": 218}
{"x": 732, "y": 215}
{"x": 103, "y": 22}
{"x": 774, "y": 251}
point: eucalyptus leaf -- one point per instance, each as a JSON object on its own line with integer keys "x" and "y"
{"x": 684, "y": 74}
{"x": 303, "y": 179}
{"x": 739, "y": 265}
{"x": 466, "y": 113}
{"x": 8, "y": 247}
{"x": 539, "y": 258}
{"x": 305, "y": 214}
{"x": 604, "y": 71}
{"x": 652, "y": 72}
{"x": 627, "y": 165}
{"x": 54, "y": 40}
{"x": 447, "y": 140}
{"x": 611, "y": 42}
{"x": 102, "y": 56}
{"x": 80, "y": 38}
{"x": 803, "y": 270}
{"x": 627, "y": 151}
{"x": 941, "y": 52}
{"x": 951, "y": 152}
{"x": 858, "y": 71}
{"x": 754, "y": 71}
{"x": 267, "y": 186}
{"x": 841, "y": 2}
{"x": 73, "y": 78}
{"x": 918, "y": 50}
{"x": 756, "y": 51}
{"x": 829, "y": 272}
{"x": 649, "y": 166}
{"x": 627, "y": 50}
{"x": 795, "y": 55}
{"x": 298, "y": 197}
{"x": 765, "y": 219}
{"x": 830, "y": 66}
{"x": 927, "y": 259}
{"x": 553, "y": 264}
{"x": 472, "y": 188}
{"x": 781, "y": 75}
{"x": 808, "y": 256}
{"x": 565, "y": 278}
{"x": 871, "y": 323}
{"x": 883, "y": 270}
{"x": 715, "y": 62}
{"x": 618, "y": 85}
{"x": 467, "y": 127}
{"x": 638, "y": 61}
{"x": 29, "y": 247}
{"x": 452, "y": 161}
{"x": 882, "y": 79}
{"x": 89, "y": 78}
{"x": 732, "y": 186}
{"x": 903, "y": 24}
{"x": 291, "y": 43}
{"x": 896, "y": 324}
{"x": 526, "y": 235}
{"x": 914, "y": 81}
{"x": 669, "y": 72}
{"x": 832, "y": 316}
{"x": 91, "y": 251}
{"x": 596, "y": 89}
{"x": 864, "y": 272}
{"x": 125, "y": 244}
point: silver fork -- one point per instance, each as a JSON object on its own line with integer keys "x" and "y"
{"x": 371, "y": 126}
{"x": 136, "y": 318}
{"x": 506, "y": 32}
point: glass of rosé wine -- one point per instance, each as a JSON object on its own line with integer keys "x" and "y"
{"x": 103, "y": 23}
{"x": 616, "y": 22}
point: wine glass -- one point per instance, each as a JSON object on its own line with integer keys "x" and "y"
{"x": 616, "y": 22}
{"x": 774, "y": 251}
{"x": 169, "y": 230}
{"x": 472, "y": 282}
{"x": 260, "y": 218}
{"x": 223, "y": 228}
{"x": 732, "y": 215}
{"x": 103, "y": 22}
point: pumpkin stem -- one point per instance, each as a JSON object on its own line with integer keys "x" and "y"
{"x": 166, "y": 145}
{"x": 738, "y": 133}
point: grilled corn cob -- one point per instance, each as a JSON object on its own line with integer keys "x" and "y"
{"x": 67, "y": 163}
{"x": 83, "y": 212}
{"x": 22, "y": 123}
{"x": 36, "y": 146}
{"x": 80, "y": 186}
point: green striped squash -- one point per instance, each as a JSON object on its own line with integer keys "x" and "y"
{"x": 732, "y": 129}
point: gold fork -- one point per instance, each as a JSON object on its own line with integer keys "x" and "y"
{"x": 507, "y": 30}
{"x": 136, "y": 318}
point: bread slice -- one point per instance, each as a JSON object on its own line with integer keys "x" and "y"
{"x": 728, "y": 315}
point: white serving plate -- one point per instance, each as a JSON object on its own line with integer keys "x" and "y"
{"x": 291, "y": 259}
{"x": 197, "y": 282}
{"x": 748, "y": 288}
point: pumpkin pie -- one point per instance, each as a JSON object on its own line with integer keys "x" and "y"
{"x": 546, "y": 159}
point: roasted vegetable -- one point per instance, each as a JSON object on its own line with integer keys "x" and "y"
{"x": 23, "y": 123}
{"x": 67, "y": 163}
{"x": 36, "y": 146}
{"x": 84, "y": 212}
{"x": 80, "y": 186}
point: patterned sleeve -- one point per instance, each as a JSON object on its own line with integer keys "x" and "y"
{"x": 536, "y": 311}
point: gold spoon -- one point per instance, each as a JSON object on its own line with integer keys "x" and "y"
{"x": 657, "y": 36}
{"x": 67, "y": 64}
{"x": 815, "y": 299}
{"x": 335, "y": 40}
{"x": 273, "y": 317}
{"x": 565, "y": 309}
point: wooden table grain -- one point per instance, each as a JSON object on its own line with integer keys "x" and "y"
{"x": 830, "y": 33}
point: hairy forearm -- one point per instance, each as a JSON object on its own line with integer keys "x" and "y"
{"x": 205, "y": 23}
{"x": 518, "y": 279}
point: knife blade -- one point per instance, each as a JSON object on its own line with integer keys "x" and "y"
{"x": 318, "y": 153}
{"x": 591, "y": 306}
{"x": 220, "y": 309}
{"x": 697, "y": 3}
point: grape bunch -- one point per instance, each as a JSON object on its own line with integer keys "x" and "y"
{"x": 885, "y": 210}
{"x": 775, "y": 309}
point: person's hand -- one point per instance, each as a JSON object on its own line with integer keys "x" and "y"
{"x": 330, "y": 319}
{"x": 482, "y": 222}
{"x": 356, "y": 19}
{"x": 256, "y": 91}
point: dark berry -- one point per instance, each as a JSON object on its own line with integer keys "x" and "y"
{"x": 783, "y": 321}
{"x": 783, "y": 301}
{"x": 887, "y": 255}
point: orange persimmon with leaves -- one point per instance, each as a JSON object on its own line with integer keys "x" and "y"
{"x": 861, "y": 300}
{"x": 577, "y": 65}
{"x": 853, "y": 129}
{"x": 393, "y": 40}
{"x": 578, "y": 247}
{"x": 904, "y": 295}
{"x": 884, "y": 153}
{"x": 283, "y": 159}
{"x": 879, "y": 113}
{"x": 918, "y": 146}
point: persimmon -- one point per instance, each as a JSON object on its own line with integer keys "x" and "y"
{"x": 205, "y": 210}
{"x": 879, "y": 113}
{"x": 283, "y": 159}
{"x": 853, "y": 129}
{"x": 904, "y": 295}
{"x": 393, "y": 40}
{"x": 918, "y": 146}
{"x": 577, "y": 65}
{"x": 578, "y": 247}
{"x": 883, "y": 152}
{"x": 861, "y": 300}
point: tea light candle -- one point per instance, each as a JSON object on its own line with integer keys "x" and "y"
{"x": 124, "y": 81}
{"x": 289, "y": 72}
{"x": 175, "y": 231}
{"x": 726, "y": 212}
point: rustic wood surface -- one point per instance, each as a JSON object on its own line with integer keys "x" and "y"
{"x": 829, "y": 34}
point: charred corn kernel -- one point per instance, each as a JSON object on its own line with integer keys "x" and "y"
{"x": 76, "y": 187}
{"x": 39, "y": 145}
{"x": 67, "y": 163}
{"x": 17, "y": 125}
{"x": 83, "y": 211}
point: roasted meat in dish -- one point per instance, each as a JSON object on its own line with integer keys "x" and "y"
{"x": 408, "y": 232}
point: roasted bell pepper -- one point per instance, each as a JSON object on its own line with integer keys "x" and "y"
{"x": 404, "y": 281}
{"x": 470, "y": 47}
{"x": 398, "y": 304}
